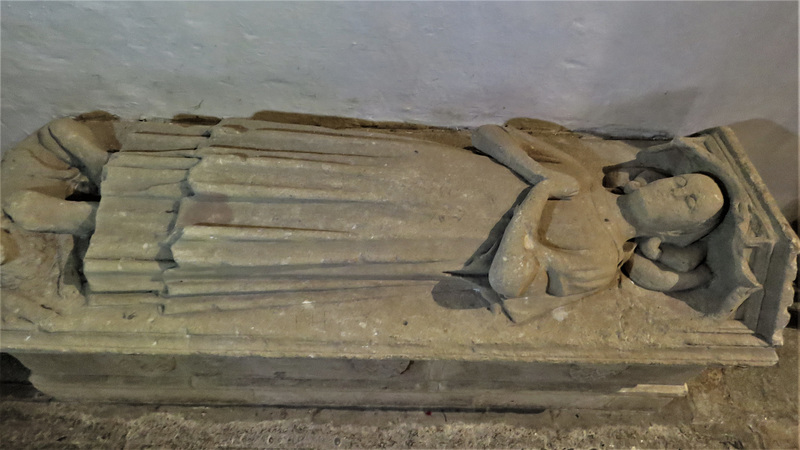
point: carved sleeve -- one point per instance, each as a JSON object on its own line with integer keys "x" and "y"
{"x": 658, "y": 277}
{"x": 514, "y": 149}
{"x": 515, "y": 266}
{"x": 60, "y": 159}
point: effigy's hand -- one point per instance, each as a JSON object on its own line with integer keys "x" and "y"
{"x": 631, "y": 186}
{"x": 650, "y": 247}
{"x": 510, "y": 147}
{"x": 34, "y": 211}
{"x": 644, "y": 178}
{"x": 507, "y": 148}
{"x": 655, "y": 276}
{"x": 561, "y": 186}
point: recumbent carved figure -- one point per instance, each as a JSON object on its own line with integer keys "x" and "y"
{"x": 247, "y": 206}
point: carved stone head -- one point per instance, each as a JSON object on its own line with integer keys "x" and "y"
{"x": 678, "y": 209}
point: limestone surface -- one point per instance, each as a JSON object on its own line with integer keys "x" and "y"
{"x": 286, "y": 236}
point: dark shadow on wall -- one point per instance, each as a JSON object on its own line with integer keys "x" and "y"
{"x": 628, "y": 119}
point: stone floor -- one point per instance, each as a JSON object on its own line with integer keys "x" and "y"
{"x": 726, "y": 408}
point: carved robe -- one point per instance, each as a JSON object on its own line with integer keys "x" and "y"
{"x": 263, "y": 207}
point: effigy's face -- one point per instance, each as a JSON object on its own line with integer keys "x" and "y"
{"x": 680, "y": 203}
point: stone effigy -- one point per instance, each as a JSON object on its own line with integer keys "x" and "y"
{"x": 296, "y": 240}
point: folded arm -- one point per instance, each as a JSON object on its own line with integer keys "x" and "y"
{"x": 657, "y": 276}
{"x": 508, "y": 147}
{"x": 514, "y": 266}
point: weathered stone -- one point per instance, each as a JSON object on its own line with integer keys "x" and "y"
{"x": 248, "y": 261}
{"x": 39, "y": 212}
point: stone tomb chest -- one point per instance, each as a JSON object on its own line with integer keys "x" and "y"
{"x": 304, "y": 260}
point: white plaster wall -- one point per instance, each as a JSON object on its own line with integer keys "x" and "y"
{"x": 679, "y": 67}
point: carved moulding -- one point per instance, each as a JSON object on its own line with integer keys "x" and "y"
{"x": 378, "y": 245}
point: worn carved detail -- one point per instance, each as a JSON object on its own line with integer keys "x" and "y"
{"x": 198, "y": 217}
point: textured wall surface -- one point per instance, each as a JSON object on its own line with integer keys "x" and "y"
{"x": 678, "y": 67}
